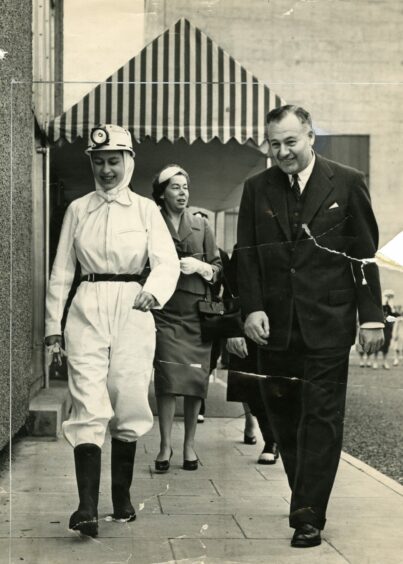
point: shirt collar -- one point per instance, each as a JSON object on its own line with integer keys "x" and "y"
{"x": 304, "y": 175}
{"x": 123, "y": 198}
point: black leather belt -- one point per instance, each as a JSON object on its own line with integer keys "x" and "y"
{"x": 94, "y": 277}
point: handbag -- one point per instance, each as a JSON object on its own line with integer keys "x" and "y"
{"x": 220, "y": 319}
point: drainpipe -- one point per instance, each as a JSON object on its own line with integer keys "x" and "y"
{"x": 45, "y": 152}
{"x": 47, "y": 238}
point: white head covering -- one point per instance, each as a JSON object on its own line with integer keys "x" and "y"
{"x": 113, "y": 193}
{"x": 169, "y": 172}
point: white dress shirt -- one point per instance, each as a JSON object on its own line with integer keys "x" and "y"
{"x": 304, "y": 175}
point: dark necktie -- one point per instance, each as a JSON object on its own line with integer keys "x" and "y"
{"x": 295, "y": 187}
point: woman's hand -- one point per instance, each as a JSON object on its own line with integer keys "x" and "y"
{"x": 237, "y": 346}
{"x": 54, "y": 349}
{"x": 144, "y": 301}
{"x": 190, "y": 265}
{"x": 52, "y": 340}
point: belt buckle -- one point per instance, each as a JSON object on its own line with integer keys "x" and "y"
{"x": 91, "y": 277}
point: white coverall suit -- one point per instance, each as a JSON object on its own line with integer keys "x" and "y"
{"x": 109, "y": 345}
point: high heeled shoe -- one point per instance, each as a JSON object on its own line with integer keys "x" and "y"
{"x": 249, "y": 440}
{"x": 269, "y": 455}
{"x": 163, "y": 465}
{"x": 190, "y": 464}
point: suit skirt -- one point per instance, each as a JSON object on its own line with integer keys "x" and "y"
{"x": 182, "y": 360}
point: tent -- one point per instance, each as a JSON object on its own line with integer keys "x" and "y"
{"x": 185, "y": 100}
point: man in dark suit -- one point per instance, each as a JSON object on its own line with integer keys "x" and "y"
{"x": 304, "y": 224}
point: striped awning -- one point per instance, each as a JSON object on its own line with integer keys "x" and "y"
{"x": 181, "y": 85}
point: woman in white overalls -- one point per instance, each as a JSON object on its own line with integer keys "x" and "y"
{"x": 110, "y": 332}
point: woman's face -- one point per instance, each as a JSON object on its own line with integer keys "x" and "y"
{"x": 176, "y": 194}
{"x": 108, "y": 167}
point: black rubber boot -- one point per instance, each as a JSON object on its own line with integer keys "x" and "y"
{"x": 88, "y": 471}
{"x": 122, "y": 462}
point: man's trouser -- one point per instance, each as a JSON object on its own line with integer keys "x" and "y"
{"x": 305, "y": 394}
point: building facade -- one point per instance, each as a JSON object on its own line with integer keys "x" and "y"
{"x": 30, "y": 36}
{"x": 341, "y": 60}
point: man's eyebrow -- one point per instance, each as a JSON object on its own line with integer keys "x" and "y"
{"x": 289, "y": 138}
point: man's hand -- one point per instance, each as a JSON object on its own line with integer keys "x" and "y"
{"x": 144, "y": 301}
{"x": 371, "y": 340}
{"x": 257, "y": 327}
{"x": 237, "y": 346}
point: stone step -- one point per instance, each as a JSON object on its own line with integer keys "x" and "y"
{"x": 48, "y": 409}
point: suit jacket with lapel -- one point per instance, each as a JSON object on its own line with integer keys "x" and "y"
{"x": 195, "y": 238}
{"x": 281, "y": 276}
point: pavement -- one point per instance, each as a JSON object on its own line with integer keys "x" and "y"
{"x": 230, "y": 510}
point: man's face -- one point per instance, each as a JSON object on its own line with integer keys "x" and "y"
{"x": 290, "y": 143}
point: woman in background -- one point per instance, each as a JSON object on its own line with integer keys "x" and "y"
{"x": 182, "y": 359}
{"x": 244, "y": 383}
{"x": 389, "y": 313}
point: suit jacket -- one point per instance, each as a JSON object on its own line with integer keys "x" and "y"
{"x": 195, "y": 238}
{"x": 281, "y": 276}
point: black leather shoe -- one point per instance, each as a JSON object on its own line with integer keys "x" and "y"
{"x": 191, "y": 464}
{"x": 163, "y": 465}
{"x": 306, "y": 536}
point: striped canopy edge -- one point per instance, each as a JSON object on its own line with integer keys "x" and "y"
{"x": 181, "y": 85}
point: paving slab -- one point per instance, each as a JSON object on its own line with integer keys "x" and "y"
{"x": 383, "y": 509}
{"x": 49, "y": 504}
{"x": 253, "y": 552}
{"x": 362, "y": 487}
{"x": 77, "y": 549}
{"x": 259, "y": 488}
{"x": 229, "y": 510}
{"x": 365, "y": 550}
{"x": 172, "y": 485}
{"x": 251, "y": 473}
{"x": 384, "y": 532}
{"x": 176, "y": 505}
{"x": 146, "y": 526}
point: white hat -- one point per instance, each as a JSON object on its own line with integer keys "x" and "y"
{"x": 110, "y": 137}
{"x": 388, "y": 293}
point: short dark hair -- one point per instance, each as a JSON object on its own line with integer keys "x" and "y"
{"x": 159, "y": 189}
{"x": 278, "y": 113}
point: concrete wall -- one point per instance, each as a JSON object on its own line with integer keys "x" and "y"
{"x": 16, "y": 143}
{"x": 340, "y": 59}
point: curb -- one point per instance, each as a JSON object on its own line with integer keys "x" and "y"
{"x": 372, "y": 473}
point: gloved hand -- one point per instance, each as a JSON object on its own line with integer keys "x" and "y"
{"x": 190, "y": 265}
{"x": 237, "y": 346}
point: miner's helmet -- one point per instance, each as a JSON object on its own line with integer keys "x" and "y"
{"x": 110, "y": 137}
